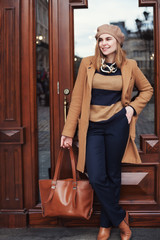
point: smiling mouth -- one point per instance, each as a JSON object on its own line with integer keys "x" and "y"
{"x": 105, "y": 49}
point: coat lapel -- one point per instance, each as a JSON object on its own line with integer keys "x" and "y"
{"x": 90, "y": 74}
{"x": 126, "y": 76}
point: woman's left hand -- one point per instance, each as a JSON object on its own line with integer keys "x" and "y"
{"x": 129, "y": 113}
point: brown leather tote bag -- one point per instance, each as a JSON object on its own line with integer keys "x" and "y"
{"x": 67, "y": 197}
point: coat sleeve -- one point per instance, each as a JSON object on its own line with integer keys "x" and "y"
{"x": 144, "y": 88}
{"x": 76, "y": 102}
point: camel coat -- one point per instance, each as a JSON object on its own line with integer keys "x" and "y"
{"x": 80, "y": 105}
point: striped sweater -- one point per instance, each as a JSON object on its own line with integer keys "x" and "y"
{"x": 106, "y": 95}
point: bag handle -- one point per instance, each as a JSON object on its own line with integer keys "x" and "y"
{"x": 58, "y": 166}
{"x": 57, "y": 170}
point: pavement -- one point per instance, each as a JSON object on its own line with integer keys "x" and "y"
{"x": 73, "y": 234}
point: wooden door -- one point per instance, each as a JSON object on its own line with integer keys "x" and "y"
{"x": 19, "y": 202}
{"x": 11, "y": 128}
{"x": 18, "y": 117}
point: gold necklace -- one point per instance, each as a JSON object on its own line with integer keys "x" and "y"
{"x": 108, "y": 69}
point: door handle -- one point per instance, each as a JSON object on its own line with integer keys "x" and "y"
{"x": 66, "y": 92}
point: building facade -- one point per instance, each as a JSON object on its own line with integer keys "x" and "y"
{"x": 30, "y": 43}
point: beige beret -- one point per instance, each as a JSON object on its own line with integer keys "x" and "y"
{"x": 113, "y": 30}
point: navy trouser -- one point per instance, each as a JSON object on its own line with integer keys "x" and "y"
{"x": 106, "y": 143}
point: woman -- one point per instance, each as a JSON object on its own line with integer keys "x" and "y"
{"x": 102, "y": 106}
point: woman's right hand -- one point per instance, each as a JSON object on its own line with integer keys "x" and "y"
{"x": 66, "y": 142}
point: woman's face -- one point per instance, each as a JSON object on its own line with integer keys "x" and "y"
{"x": 107, "y": 44}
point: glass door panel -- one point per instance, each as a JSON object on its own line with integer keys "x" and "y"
{"x": 42, "y": 69}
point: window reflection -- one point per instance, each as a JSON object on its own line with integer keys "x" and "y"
{"x": 42, "y": 68}
{"x": 137, "y": 25}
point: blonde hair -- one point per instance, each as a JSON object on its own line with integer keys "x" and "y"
{"x": 119, "y": 59}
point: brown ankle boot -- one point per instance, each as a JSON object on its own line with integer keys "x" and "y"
{"x": 104, "y": 233}
{"x": 125, "y": 231}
